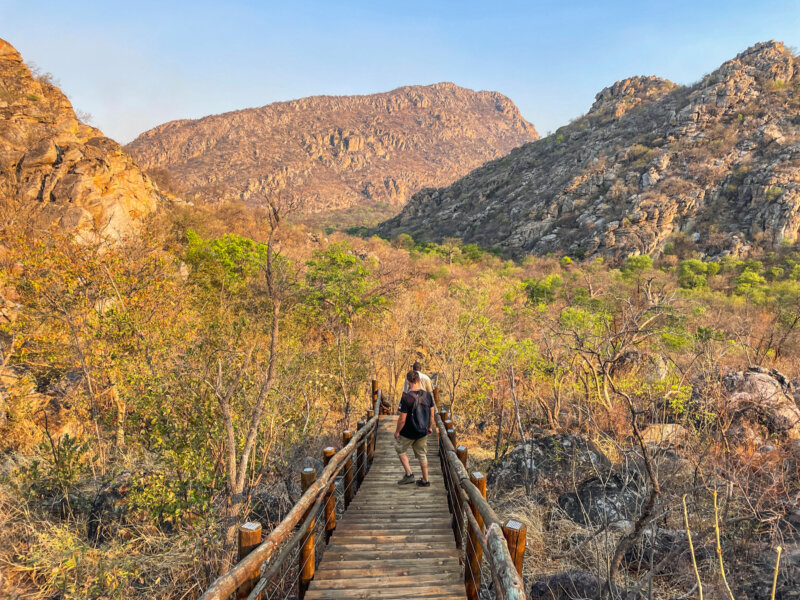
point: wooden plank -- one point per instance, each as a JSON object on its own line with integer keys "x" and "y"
{"x": 372, "y": 555}
{"x": 355, "y": 528}
{"x": 426, "y": 591}
{"x": 389, "y": 537}
{"x": 347, "y": 570}
{"x": 383, "y": 581}
{"x": 335, "y": 546}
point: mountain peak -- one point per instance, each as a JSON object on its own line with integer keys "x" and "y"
{"x": 8, "y": 52}
{"x": 629, "y": 93}
{"x": 715, "y": 165}
{"x": 55, "y": 169}
{"x": 770, "y": 61}
{"x": 337, "y": 152}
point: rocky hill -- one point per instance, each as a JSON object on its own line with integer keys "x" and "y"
{"x": 335, "y": 152}
{"x": 55, "y": 169}
{"x": 715, "y": 165}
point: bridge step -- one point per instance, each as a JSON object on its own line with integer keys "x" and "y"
{"x": 393, "y": 542}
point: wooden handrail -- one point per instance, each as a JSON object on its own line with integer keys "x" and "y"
{"x": 249, "y": 567}
{"x": 498, "y": 555}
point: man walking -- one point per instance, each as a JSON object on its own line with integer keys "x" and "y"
{"x": 413, "y": 427}
{"x": 424, "y": 381}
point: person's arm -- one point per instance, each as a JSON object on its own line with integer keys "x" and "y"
{"x": 433, "y": 420}
{"x": 401, "y": 421}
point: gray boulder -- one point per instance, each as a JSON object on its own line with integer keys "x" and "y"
{"x": 575, "y": 585}
{"x": 763, "y": 396}
{"x": 597, "y": 502}
{"x": 564, "y": 455}
{"x": 757, "y": 585}
{"x": 570, "y": 585}
{"x": 109, "y": 508}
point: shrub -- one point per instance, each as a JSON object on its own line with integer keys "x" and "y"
{"x": 692, "y": 274}
{"x": 404, "y": 241}
{"x": 748, "y": 283}
{"x": 543, "y": 290}
{"x": 773, "y": 193}
{"x": 636, "y": 264}
{"x": 471, "y": 252}
{"x": 565, "y": 261}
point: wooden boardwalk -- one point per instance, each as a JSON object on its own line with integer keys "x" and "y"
{"x": 393, "y": 541}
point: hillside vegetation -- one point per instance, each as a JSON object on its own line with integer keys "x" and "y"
{"x": 123, "y": 368}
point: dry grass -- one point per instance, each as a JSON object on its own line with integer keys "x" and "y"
{"x": 44, "y": 557}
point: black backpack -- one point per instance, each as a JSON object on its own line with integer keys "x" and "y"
{"x": 420, "y": 414}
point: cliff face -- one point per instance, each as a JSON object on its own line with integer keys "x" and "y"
{"x": 55, "y": 169}
{"x": 336, "y": 152}
{"x": 717, "y": 162}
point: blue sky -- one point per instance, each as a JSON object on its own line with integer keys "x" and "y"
{"x": 134, "y": 65}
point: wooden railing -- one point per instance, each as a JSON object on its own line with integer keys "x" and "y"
{"x": 260, "y": 561}
{"x": 478, "y": 531}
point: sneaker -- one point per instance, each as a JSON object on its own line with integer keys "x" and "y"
{"x": 423, "y": 483}
{"x": 406, "y": 479}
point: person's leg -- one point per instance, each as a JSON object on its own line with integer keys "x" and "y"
{"x": 421, "y": 452}
{"x": 407, "y": 465}
{"x": 401, "y": 447}
{"x": 424, "y": 467}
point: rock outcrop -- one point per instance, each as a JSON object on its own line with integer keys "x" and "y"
{"x": 55, "y": 169}
{"x": 565, "y": 456}
{"x": 754, "y": 398}
{"x": 717, "y": 163}
{"x": 336, "y": 152}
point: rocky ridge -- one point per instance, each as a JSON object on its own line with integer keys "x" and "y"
{"x": 335, "y": 152}
{"x": 717, "y": 163}
{"x": 55, "y": 169}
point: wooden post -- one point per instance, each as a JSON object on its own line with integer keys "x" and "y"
{"x": 516, "y": 534}
{"x": 249, "y": 538}
{"x": 374, "y": 391}
{"x": 307, "y": 550}
{"x": 330, "y": 499}
{"x": 461, "y": 453}
{"x": 436, "y": 396}
{"x": 451, "y": 433}
{"x": 370, "y": 440}
{"x": 472, "y": 572}
{"x": 347, "y": 435}
{"x": 361, "y": 470}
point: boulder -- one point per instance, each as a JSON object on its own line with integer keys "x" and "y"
{"x": 309, "y": 462}
{"x": 667, "y": 546}
{"x": 665, "y": 434}
{"x": 268, "y": 508}
{"x": 570, "y": 585}
{"x": 763, "y": 396}
{"x": 565, "y": 455}
{"x": 575, "y": 585}
{"x": 757, "y": 582}
{"x": 108, "y": 508}
{"x": 602, "y": 501}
